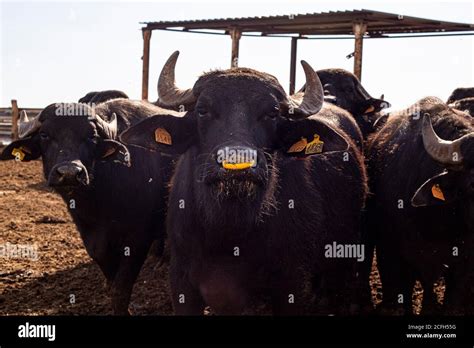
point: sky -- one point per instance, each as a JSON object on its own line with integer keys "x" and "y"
{"x": 58, "y": 51}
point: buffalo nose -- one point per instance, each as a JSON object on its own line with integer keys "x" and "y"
{"x": 69, "y": 171}
{"x": 68, "y": 174}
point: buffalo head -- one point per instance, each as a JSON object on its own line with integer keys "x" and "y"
{"x": 454, "y": 185}
{"x": 70, "y": 138}
{"x": 241, "y": 121}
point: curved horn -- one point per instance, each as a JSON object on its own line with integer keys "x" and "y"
{"x": 107, "y": 129}
{"x": 310, "y": 101}
{"x": 27, "y": 127}
{"x": 23, "y": 116}
{"x": 447, "y": 152}
{"x": 169, "y": 95}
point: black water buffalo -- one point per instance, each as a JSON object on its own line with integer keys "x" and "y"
{"x": 461, "y": 93}
{"x": 344, "y": 89}
{"x": 102, "y": 96}
{"x": 116, "y": 196}
{"x": 265, "y": 199}
{"x": 421, "y": 169}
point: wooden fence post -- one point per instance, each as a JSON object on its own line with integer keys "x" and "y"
{"x": 235, "y": 34}
{"x": 15, "y": 117}
{"x": 146, "y": 62}
{"x": 359, "y": 29}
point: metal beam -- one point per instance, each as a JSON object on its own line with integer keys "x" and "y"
{"x": 359, "y": 29}
{"x": 294, "y": 42}
{"x": 235, "y": 35}
{"x": 146, "y": 62}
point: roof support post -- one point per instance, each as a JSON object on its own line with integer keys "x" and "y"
{"x": 359, "y": 29}
{"x": 294, "y": 42}
{"x": 146, "y": 62}
{"x": 15, "y": 117}
{"x": 235, "y": 35}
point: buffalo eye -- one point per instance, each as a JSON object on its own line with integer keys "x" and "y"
{"x": 44, "y": 136}
{"x": 327, "y": 89}
{"x": 203, "y": 112}
{"x": 273, "y": 113}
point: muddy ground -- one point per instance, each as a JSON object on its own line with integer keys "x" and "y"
{"x": 30, "y": 213}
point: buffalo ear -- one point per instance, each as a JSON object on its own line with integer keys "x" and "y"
{"x": 294, "y": 134}
{"x": 170, "y": 135}
{"x": 111, "y": 150}
{"x": 375, "y": 105}
{"x": 440, "y": 189}
{"x": 24, "y": 150}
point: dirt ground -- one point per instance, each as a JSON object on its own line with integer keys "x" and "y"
{"x": 30, "y": 213}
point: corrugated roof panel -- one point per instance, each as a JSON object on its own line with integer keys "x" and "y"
{"x": 340, "y": 23}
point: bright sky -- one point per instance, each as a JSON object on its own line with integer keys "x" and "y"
{"x": 59, "y": 51}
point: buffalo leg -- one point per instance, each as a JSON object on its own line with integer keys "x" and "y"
{"x": 343, "y": 289}
{"x": 127, "y": 273}
{"x": 456, "y": 292}
{"x": 430, "y": 300}
{"x": 287, "y": 297}
{"x": 186, "y": 298}
{"x": 397, "y": 285}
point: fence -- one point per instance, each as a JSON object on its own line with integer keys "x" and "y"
{"x": 9, "y": 120}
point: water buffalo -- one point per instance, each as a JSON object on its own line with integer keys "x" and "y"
{"x": 421, "y": 214}
{"x": 344, "y": 89}
{"x": 265, "y": 199}
{"x": 101, "y": 97}
{"x": 115, "y": 195}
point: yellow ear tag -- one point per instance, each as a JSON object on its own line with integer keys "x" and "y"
{"x": 162, "y": 136}
{"x": 369, "y": 109}
{"x": 18, "y": 153}
{"x": 237, "y": 166}
{"x": 298, "y": 146}
{"x": 315, "y": 146}
{"x": 437, "y": 193}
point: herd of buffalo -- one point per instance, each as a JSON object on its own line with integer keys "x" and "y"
{"x": 266, "y": 198}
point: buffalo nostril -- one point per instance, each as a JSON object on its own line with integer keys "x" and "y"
{"x": 61, "y": 171}
{"x": 79, "y": 173}
{"x": 68, "y": 174}
{"x": 69, "y": 171}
